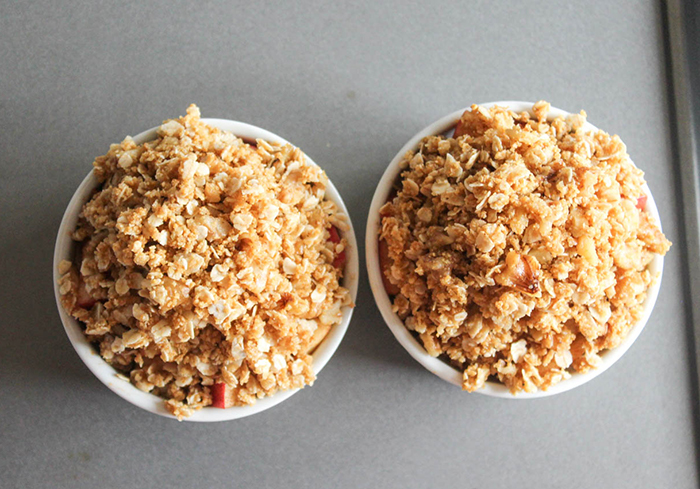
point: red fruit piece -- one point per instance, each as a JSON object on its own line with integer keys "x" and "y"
{"x": 340, "y": 260}
{"x": 335, "y": 236}
{"x": 84, "y": 299}
{"x": 642, "y": 202}
{"x": 460, "y": 129}
{"x": 218, "y": 395}
{"x": 384, "y": 265}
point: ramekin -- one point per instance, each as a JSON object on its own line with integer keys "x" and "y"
{"x": 150, "y": 402}
{"x": 412, "y": 345}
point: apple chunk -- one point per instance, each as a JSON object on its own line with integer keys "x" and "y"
{"x": 642, "y": 202}
{"x": 341, "y": 258}
{"x": 339, "y": 261}
{"x": 83, "y": 298}
{"x": 221, "y": 395}
{"x": 384, "y": 266}
{"x": 319, "y": 335}
{"x": 335, "y": 235}
{"x": 460, "y": 129}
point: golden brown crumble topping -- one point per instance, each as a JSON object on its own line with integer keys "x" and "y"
{"x": 206, "y": 260}
{"x": 519, "y": 248}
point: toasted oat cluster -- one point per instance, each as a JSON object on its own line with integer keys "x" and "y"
{"x": 203, "y": 260}
{"x": 518, "y": 249}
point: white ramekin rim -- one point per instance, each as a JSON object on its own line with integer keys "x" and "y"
{"x": 150, "y": 402}
{"x": 412, "y": 345}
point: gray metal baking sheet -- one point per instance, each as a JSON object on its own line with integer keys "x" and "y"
{"x": 348, "y": 82}
{"x": 684, "y": 49}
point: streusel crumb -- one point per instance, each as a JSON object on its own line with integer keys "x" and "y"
{"x": 518, "y": 248}
{"x": 203, "y": 260}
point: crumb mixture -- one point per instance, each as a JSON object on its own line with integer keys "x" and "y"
{"x": 518, "y": 249}
{"x": 203, "y": 260}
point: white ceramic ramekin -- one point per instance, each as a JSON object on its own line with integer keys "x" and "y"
{"x": 108, "y": 375}
{"x": 404, "y": 336}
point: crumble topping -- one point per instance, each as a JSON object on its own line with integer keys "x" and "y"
{"x": 518, "y": 248}
{"x": 204, "y": 260}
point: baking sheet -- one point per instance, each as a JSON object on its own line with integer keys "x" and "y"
{"x": 684, "y": 33}
{"x": 349, "y": 82}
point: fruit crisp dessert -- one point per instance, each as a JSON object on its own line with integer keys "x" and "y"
{"x": 517, "y": 249}
{"x": 207, "y": 269}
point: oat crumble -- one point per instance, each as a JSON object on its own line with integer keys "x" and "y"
{"x": 518, "y": 249}
{"x": 205, "y": 261}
